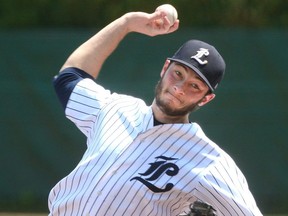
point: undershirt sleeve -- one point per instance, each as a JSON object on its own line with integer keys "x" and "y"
{"x": 65, "y": 82}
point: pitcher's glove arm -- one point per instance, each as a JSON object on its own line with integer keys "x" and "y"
{"x": 199, "y": 208}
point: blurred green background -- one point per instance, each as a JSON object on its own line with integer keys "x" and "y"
{"x": 248, "y": 118}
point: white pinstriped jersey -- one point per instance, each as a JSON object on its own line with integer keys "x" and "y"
{"x": 131, "y": 167}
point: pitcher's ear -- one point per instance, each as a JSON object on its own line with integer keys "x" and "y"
{"x": 165, "y": 67}
{"x": 206, "y": 99}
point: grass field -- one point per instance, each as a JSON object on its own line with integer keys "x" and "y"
{"x": 21, "y": 214}
{"x": 34, "y": 214}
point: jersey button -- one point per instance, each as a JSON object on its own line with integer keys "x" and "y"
{"x": 114, "y": 172}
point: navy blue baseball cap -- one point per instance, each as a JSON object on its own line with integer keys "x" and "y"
{"x": 203, "y": 59}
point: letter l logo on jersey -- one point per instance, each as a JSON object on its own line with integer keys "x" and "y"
{"x": 202, "y": 52}
{"x": 155, "y": 171}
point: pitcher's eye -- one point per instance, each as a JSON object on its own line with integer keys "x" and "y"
{"x": 178, "y": 73}
{"x": 195, "y": 86}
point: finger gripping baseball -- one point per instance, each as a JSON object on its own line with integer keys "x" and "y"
{"x": 169, "y": 11}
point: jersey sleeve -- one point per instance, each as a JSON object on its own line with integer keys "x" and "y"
{"x": 225, "y": 188}
{"x": 65, "y": 82}
{"x": 81, "y": 97}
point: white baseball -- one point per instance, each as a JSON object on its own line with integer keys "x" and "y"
{"x": 170, "y": 11}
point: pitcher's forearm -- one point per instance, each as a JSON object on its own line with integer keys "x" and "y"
{"x": 91, "y": 55}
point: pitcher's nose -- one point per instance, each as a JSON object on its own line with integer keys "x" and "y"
{"x": 178, "y": 89}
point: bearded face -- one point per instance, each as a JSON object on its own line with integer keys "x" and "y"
{"x": 179, "y": 92}
{"x": 167, "y": 106}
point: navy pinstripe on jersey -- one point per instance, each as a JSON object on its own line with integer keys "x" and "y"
{"x": 131, "y": 167}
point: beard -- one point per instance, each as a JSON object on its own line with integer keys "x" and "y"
{"x": 169, "y": 109}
